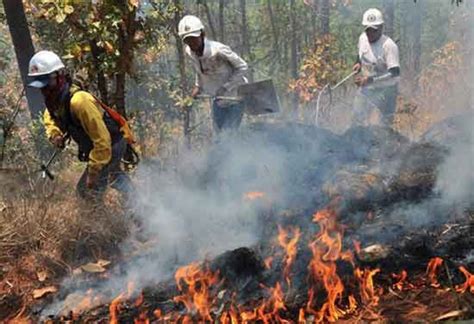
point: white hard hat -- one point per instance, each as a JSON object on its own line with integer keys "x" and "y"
{"x": 42, "y": 64}
{"x": 190, "y": 26}
{"x": 372, "y": 18}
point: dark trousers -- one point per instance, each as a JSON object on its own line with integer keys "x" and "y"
{"x": 228, "y": 116}
{"x": 111, "y": 175}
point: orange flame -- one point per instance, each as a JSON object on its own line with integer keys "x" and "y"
{"x": 357, "y": 246}
{"x": 249, "y": 315}
{"x": 352, "y": 304}
{"x": 85, "y": 303}
{"x": 366, "y": 285}
{"x": 277, "y": 300}
{"x": 161, "y": 317}
{"x": 130, "y": 288}
{"x": 268, "y": 262}
{"x": 334, "y": 288}
{"x": 331, "y": 234}
{"x": 401, "y": 279}
{"x": 114, "y": 307}
{"x": 253, "y": 195}
{"x": 233, "y": 316}
{"x": 301, "y": 316}
{"x": 195, "y": 284}
{"x": 402, "y": 283}
{"x": 269, "y": 310}
{"x": 432, "y": 270}
{"x": 139, "y": 300}
{"x": 326, "y": 250}
{"x": 229, "y": 317}
{"x": 90, "y": 300}
{"x": 290, "y": 247}
{"x": 142, "y": 319}
{"x": 196, "y": 296}
{"x": 310, "y": 302}
{"x": 468, "y": 284}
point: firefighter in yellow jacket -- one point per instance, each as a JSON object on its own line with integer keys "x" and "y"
{"x": 77, "y": 113}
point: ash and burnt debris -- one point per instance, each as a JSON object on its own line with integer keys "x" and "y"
{"x": 367, "y": 171}
{"x": 243, "y": 280}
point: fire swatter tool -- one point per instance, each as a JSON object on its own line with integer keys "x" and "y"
{"x": 324, "y": 99}
{"x": 45, "y": 167}
{"x": 258, "y": 98}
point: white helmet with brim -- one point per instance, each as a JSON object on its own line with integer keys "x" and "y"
{"x": 42, "y": 64}
{"x": 190, "y": 26}
{"x": 372, "y": 18}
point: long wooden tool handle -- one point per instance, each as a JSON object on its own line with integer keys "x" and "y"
{"x": 344, "y": 80}
{"x": 219, "y": 98}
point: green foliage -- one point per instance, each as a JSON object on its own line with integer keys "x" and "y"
{"x": 6, "y": 54}
{"x": 91, "y": 34}
{"x": 10, "y": 102}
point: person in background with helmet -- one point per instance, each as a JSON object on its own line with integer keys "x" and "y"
{"x": 77, "y": 113}
{"x": 378, "y": 62}
{"x": 219, "y": 71}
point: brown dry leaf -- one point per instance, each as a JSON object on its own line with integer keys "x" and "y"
{"x": 42, "y": 275}
{"x": 451, "y": 314}
{"x": 109, "y": 47}
{"x": 68, "y": 9}
{"x": 134, "y": 3}
{"x": 97, "y": 267}
{"x": 60, "y": 17}
{"x": 103, "y": 263}
{"x": 374, "y": 252}
{"x": 38, "y": 293}
{"x": 139, "y": 36}
{"x": 93, "y": 267}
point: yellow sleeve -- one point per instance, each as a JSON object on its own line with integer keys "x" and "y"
{"x": 50, "y": 126}
{"x": 87, "y": 111}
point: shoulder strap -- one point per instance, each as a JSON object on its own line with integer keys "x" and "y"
{"x": 67, "y": 103}
{"x": 67, "y": 108}
{"x": 119, "y": 119}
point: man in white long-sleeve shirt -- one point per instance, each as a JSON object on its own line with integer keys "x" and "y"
{"x": 219, "y": 71}
{"x": 378, "y": 62}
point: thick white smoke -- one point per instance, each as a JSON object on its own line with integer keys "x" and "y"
{"x": 456, "y": 177}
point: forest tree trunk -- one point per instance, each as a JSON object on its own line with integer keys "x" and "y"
{"x": 24, "y": 50}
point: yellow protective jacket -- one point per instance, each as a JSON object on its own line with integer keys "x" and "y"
{"x": 84, "y": 119}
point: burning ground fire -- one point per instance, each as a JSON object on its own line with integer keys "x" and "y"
{"x": 329, "y": 297}
{"x": 253, "y": 195}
